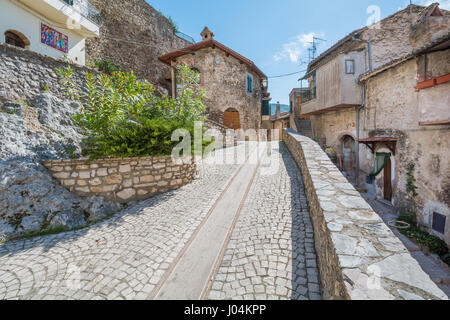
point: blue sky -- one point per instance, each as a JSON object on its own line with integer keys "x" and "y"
{"x": 275, "y": 34}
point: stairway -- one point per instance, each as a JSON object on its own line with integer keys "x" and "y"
{"x": 303, "y": 126}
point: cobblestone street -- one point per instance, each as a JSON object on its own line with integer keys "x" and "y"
{"x": 270, "y": 254}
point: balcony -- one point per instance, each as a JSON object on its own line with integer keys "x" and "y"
{"x": 333, "y": 87}
{"x": 86, "y": 9}
{"x": 77, "y": 15}
{"x": 308, "y": 95}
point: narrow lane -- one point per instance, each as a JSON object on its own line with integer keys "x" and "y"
{"x": 271, "y": 253}
{"x": 236, "y": 232}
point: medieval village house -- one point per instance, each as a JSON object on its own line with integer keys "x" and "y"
{"x": 386, "y": 112}
{"x": 235, "y": 86}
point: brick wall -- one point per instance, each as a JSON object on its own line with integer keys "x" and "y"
{"x": 121, "y": 180}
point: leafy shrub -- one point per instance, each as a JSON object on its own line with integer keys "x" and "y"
{"x": 106, "y": 65}
{"x": 435, "y": 244}
{"x": 122, "y": 116}
{"x": 67, "y": 83}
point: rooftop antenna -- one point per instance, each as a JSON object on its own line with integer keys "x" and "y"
{"x": 313, "y": 49}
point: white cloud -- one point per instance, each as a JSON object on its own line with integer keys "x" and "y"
{"x": 443, "y": 4}
{"x": 293, "y": 49}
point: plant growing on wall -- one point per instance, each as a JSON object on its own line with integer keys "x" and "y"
{"x": 106, "y": 66}
{"x": 123, "y": 117}
{"x": 411, "y": 180}
{"x": 67, "y": 83}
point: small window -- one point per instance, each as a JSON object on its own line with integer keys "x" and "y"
{"x": 439, "y": 221}
{"x": 15, "y": 39}
{"x": 198, "y": 77}
{"x": 249, "y": 83}
{"x": 350, "y": 66}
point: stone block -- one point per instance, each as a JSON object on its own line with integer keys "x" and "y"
{"x": 84, "y": 174}
{"x": 61, "y": 175}
{"x": 124, "y": 168}
{"x": 126, "y": 194}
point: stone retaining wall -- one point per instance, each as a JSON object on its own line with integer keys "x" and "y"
{"x": 24, "y": 74}
{"x": 359, "y": 256}
{"x": 121, "y": 180}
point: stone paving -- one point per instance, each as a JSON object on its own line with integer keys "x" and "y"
{"x": 270, "y": 256}
{"x": 271, "y": 252}
{"x": 122, "y": 258}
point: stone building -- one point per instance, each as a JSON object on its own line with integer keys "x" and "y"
{"x": 335, "y": 94}
{"x": 406, "y": 121}
{"x": 295, "y": 102}
{"x": 51, "y": 28}
{"x": 366, "y": 101}
{"x": 133, "y": 34}
{"x": 235, "y": 86}
{"x": 280, "y": 120}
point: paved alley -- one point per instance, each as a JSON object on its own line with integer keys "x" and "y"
{"x": 255, "y": 224}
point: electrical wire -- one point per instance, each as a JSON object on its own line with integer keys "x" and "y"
{"x": 288, "y": 74}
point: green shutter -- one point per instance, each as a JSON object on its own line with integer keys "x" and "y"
{"x": 249, "y": 84}
{"x": 265, "y": 108}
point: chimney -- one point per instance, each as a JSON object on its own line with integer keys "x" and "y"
{"x": 278, "y": 110}
{"x": 207, "y": 34}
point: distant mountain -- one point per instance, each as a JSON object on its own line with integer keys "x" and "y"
{"x": 283, "y": 108}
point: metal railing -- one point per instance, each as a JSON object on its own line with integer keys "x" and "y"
{"x": 309, "y": 94}
{"x": 184, "y": 36}
{"x": 86, "y": 9}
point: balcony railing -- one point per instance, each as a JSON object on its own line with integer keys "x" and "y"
{"x": 86, "y": 9}
{"x": 308, "y": 95}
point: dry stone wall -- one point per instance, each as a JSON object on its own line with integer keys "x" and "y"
{"x": 25, "y": 74}
{"x": 359, "y": 256}
{"x": 123, "y": 179}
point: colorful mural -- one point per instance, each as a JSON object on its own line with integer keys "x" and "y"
{"x": 54, "y": 39}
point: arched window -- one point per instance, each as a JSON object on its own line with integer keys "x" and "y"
{"x": 16, "y": 39}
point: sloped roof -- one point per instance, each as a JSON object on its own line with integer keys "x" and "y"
{"x": 359, "y": 31}
{"x": 440, "y": 43}
{"x": 211, "y": 43}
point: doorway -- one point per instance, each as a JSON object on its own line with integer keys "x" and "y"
{"x": 231, "y": 119}
{"x": 387, "y": 188}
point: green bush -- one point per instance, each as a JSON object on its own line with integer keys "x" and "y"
{"x": 123, "y": 117}
{"x": 435, "y": 244}
{"x": 106, "y": 66}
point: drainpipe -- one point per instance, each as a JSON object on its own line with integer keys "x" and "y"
{"x": 358, "y": 124}
{"x": 359, "y": 108}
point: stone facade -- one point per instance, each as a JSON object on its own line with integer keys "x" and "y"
{"x": 225, "y": 80}
{"x": 24, "y": 74}
{"x": 133, "y": 34}
{"x": 359, "y": 257}
{"x": 122, "y": 180}
{"x": 395, "y": 109}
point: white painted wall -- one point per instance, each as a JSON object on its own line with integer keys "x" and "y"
{"x": 14, "y": 16}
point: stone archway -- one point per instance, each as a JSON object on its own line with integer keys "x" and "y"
{"x": 347, "y": 150}
{"x": 231, "y": 119}
{"x": 17, "y": 39}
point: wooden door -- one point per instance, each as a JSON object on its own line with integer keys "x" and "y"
{"x": 387, "y": 181}
{"x": 231, "y": 119}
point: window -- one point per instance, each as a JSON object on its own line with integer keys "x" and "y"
{"x": 198, "y": 78}
{"x": 439, "y": 221}
{"x": 249, "y": 83}
{"x": 350, "y": 66}
{"x": 14, "y": 39}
